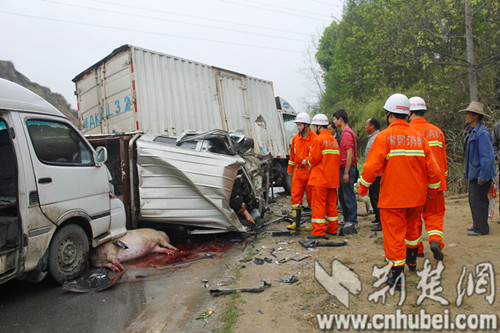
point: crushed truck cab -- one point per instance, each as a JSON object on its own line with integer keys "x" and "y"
{"x": 55, "y": 194}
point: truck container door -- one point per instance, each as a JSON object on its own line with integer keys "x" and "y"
{"x": 10, "y": 220}
{"x": 68, "y": 180}
{"x": 105, "y": 97}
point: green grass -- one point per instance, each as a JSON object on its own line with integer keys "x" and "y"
{"x": 230, "y": 314}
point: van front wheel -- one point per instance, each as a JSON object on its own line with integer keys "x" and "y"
{"x": 68, "y": 253}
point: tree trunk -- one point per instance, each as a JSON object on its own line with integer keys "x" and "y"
{"x": 471, "y": 66}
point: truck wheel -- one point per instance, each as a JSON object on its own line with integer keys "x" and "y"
{"x": 287, "y": 183}
{"x": 68, "y": 253}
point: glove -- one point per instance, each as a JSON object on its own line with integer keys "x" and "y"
{"x": 431, "y": 194}
{"x": 362, "y": 190}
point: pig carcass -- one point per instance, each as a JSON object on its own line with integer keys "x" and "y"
{"x": 134, "y": 244}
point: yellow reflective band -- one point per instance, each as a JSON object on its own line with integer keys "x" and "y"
{"x": 364, "y": 182}
{"x": 435, "y": 144}
{"x": 291, "y": 163}
{"x": 435, "y": 232}
{"x": 413, "y": 242}
{"x": 297, "y": 206}
{"x": 446, "y": 173}
{"x": 434, "y": 186}
{"x": 330, "y": 151}
{"x": 318, "y": 221}
{"x": 396, "y": 262}
{"x": 405, "y": 152}
{"x": 335, "y": 218}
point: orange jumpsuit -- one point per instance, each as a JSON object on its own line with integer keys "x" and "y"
{"x": 434, "y": 209}
{"x": 324, "y": 160}
{"x": 299, "y": 151}
{"x": 409, "y": 172}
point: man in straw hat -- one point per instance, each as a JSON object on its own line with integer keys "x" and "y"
{"x": 479, "y": 167}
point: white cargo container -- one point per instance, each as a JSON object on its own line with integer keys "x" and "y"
{"x": 134, "y": 89}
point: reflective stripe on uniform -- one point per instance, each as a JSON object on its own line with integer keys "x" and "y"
{"x": 291, "y": 163}
{"x": 435, "y": 144}
{"x": 335, "y": 218}
{"x": 364, "y": 182}
{"x": 434, "y": 186}
{"x": 298, "y": 206}
{"x": 331, "y": 151}
{"x": 435, "y": 232}
{"x": 413, "y": 242}
{"x": 446, "y": 173}
{"x": 318, "y": 221}
{"x": 396, "y": 262}
{"x": 405, "y": 152}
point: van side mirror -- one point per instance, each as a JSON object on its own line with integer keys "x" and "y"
{"x": 101, "y": 156}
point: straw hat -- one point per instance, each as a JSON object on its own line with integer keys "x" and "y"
{"x": 475, "y": 107}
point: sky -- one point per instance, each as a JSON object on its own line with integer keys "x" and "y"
{"x": 51, "y": 41}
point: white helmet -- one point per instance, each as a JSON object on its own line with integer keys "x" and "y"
{"x": 303, "y": 118}
{"x": 320, "y": 119}
{"x": 417, "y": 104}
{"x": 398, "y": 103}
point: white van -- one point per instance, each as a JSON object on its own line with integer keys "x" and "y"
{"x": 55, "y": 197}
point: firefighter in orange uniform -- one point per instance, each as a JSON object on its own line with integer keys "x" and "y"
{"x": 324, "y": 161}
{"x": 409, "y": 174}
{"x": 299, "y": 150}
{"x": 434, "y": 209}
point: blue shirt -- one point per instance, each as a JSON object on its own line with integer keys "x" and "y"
{"x": 479, "y": 155}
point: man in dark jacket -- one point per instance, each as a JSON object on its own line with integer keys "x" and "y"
{"x": 479, "y": 167}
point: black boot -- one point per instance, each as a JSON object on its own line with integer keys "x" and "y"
{"x": 436, "y": 250}
{"x": 396, "y": 278}
{"x": 411, "y": 258}
{"x": 297, "y": 214}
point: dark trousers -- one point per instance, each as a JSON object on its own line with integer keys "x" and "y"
{"x": 478, "y": 203}
{"x": 373, "y": 193}
{"x": 348, "y": 197}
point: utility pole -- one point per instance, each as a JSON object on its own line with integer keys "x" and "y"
{"x": 471, "y": 66}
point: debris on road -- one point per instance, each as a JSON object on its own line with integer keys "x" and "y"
{"x": 205, "y": 316}
{"x": 292, "y": 279}
{"x": 226, "y": 291}
{"x": 207, "y": 256}
{"x": 298, "y": 257}
{"x": 316, "y": 243}
{"x": 94, "y": 281}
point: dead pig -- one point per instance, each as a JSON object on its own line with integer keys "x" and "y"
{"x": 138, "y": 243}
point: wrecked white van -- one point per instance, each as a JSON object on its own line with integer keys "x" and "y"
{"x": 55, "y": 197}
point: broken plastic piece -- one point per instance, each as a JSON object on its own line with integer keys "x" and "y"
{"x": 268, "y": 260}
{"x": 258, "y": 261}
{"x": 96, "y": 280}
{"x": 315, "y": 243}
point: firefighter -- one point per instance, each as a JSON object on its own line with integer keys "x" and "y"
{"x": 434, "y": 209}
{"x": 409, "y": 174}
{"x": 324, "y": 161}
{"x": 299, "y": 150}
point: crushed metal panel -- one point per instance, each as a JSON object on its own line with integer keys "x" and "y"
{"x": 184, "y": 186}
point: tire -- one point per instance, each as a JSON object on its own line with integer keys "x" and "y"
{"x": 287, "y": 183}
{"x": 68, "y": 253}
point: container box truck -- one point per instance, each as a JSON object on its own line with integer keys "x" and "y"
{"x": 134, "y": 89}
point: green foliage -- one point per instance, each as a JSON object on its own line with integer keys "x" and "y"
{"x": 418, "y": 48}
{"x": 8, "y": 72}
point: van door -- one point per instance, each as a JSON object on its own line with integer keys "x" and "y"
{"x": 10, "y": 220}
{"x": 68, "y": 180}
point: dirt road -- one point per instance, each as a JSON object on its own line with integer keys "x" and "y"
{"x": 469, "y": 261}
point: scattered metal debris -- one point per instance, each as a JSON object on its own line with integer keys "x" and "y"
{"x": 141, "y": 276}
{"x": 292, "y": 279}
{"x": 316, "y": 243}
{"x": 207, "y": 255}
{"x": 257, "y": 289}
{"x": 268, "y": 260}
{"x": 205, "y": 283}
{"x": 258, "y": 261}
{"x": 298, "y": 257}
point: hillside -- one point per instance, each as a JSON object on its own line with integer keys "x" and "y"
{"x": 9, "y": 72}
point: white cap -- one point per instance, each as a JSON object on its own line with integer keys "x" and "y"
{"x": 417, "y": 104}
{"x": 398, "y": 103}
{"x": 320, "y": 119}
{"x": 303, "y": 118}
